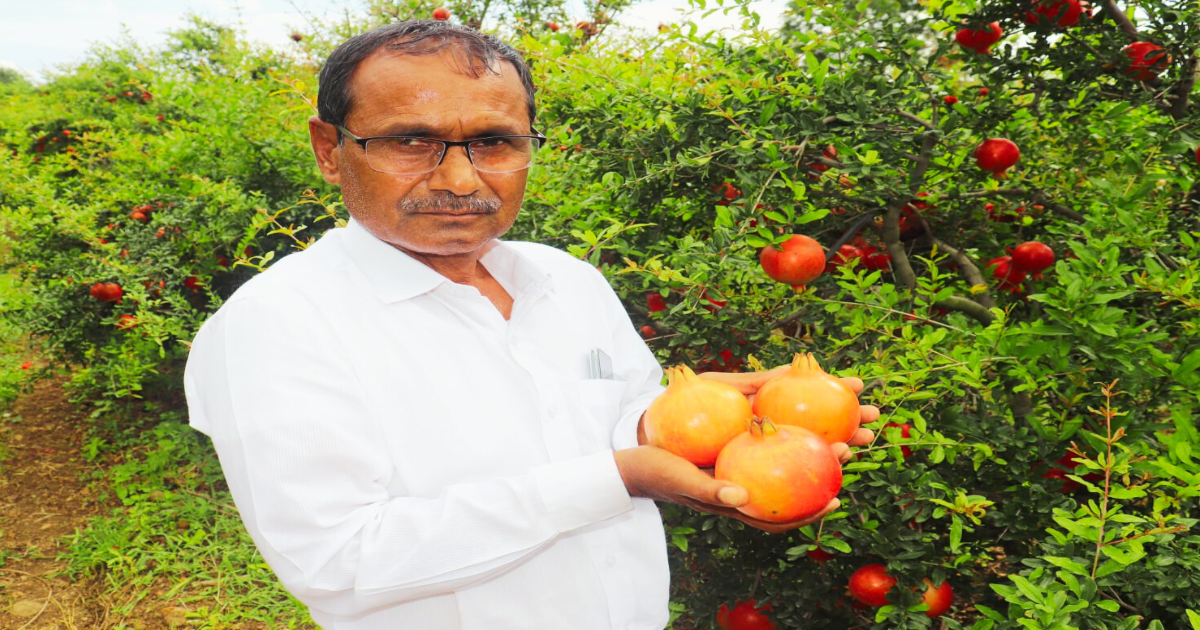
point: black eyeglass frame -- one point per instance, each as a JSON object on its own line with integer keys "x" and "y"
{"x": 446, "y": 144}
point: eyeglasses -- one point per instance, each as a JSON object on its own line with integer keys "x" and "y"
{"x": 411, "y": 155}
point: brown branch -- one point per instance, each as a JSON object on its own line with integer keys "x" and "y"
{"x": 969, "y": 271}
{"x": 1183, "y": 90}
{"x": 1118, "y": 16}
{"x": 917, "y": 119}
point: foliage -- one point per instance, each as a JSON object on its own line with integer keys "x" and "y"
{"x": 1051, "y": 480}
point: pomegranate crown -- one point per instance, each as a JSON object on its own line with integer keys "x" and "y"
{"x": 761, "y": 426}
{"x": 680, "y": 374}
{"x": 806, "y": 363}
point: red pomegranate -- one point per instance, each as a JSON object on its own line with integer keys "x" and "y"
{"x": 980, "y": 41}
{"x": 1008, "y": 277}
{"x": 997, "y": 155}
{"x": 1146, "y": 60}
{"x": 1032, "y": 257}
{"x": 1065, "y": 12}
{"x": 800, "y": 261}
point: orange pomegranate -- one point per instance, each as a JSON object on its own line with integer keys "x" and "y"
{"x": 696, "y": 417}
{"x": 790, "y": 473}
{"x": 807, "y": 397}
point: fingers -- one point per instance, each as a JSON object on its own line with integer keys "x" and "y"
{"x": 868, "y": 414}
{"x": 862, "y": 437}
{"x": 841, "y": 451}
{"x": 855, "y": 383}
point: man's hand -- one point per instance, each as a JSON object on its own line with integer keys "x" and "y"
{"x": 663, "y": 476}
{"x": 658, "y": 474}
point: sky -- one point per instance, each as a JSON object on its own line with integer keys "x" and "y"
{"x": 39, "y": 35}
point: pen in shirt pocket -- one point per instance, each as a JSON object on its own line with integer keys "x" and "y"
{"x": 599, "y": 365}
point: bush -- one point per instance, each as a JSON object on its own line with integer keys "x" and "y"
{"x": 1051, "y": 415}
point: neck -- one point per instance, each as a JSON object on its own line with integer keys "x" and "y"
{"x": 458, "y": 268}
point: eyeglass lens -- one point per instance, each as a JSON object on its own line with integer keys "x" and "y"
{"x": 413, "y": 156}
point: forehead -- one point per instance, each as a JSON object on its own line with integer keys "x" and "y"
{"x": 434, "y": 91}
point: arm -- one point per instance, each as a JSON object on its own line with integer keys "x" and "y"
{"x": 313, "y": 480}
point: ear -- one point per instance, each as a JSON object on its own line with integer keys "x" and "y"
{"x": 324, "y": 137}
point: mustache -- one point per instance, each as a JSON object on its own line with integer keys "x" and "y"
{"x": 449, "y": 203}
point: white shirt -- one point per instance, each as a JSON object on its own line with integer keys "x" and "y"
{"x": 404, "y": 457}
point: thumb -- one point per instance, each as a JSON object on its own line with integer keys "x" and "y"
{"x": 732, "y": 496}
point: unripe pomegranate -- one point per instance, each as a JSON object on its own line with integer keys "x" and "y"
{"x": 1146, "y": 60}
{"x": 790, "y": 473}
{"x": 806, "y": 396}
{"x": 1032, "y": 257}
{"x": 801, "y": 260}
{"x": 695, "y": 417}
{"x": 980, "y": 41}
{"x": 997, "y": 154}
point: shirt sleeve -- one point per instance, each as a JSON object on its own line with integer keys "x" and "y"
{"x": 268, "y": 381}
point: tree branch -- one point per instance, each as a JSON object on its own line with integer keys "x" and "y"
{"x": 1180, "y": 99}
{"x": 1118, "y": 16}
{"x": 969, "y": 271}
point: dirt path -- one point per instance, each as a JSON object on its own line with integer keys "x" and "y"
{"x": 43, "y": 497}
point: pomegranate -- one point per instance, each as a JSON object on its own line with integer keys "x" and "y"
{"x": 844, "y": 255}
{"x": 905, "y": 432}
{"x": 1065, "y": 12}
{"x": 997, "y": 155}
{"x": 695, "y": 418}
{"x": 950, "y": 100}
{"x": 937, "y": 598}
{"x": 107, "y": 291}
{"x": 790, "y": 473}
{"x": 806, "y": 396}
{"x": 1146, "y": 60}
{"x": 875, "y": 259}
{"x": 820, "y": 556}
{"x": 441, "y": 14}
{"x": 126, "y": 322}
{"x": 655, "y": 303}
{"x": 745, "y": 615}
{"x": 870, "y": 584}
{"x": 1003, "y": 216}
{"x": 800, "y": 261}
{"x": 816, "y": 168}
{"x": 1008, "y": 277}
{"x": 1032, "y": 257}
{"x": 980, "y": 41}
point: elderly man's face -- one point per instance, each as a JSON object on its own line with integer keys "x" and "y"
{"x": 427, "y": 96}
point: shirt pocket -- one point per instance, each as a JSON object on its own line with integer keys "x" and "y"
{"x": 598, "y": 401}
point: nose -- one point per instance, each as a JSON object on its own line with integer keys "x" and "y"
{"x": 455, "y": 173}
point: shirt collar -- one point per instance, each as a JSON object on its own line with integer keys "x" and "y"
{"x": 396, "y": 276}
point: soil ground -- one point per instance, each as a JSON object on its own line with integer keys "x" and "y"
{"x": 44, "y": 497}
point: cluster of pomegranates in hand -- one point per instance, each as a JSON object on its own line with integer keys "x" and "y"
{"x": 776, "y": 447}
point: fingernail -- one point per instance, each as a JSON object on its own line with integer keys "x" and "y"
{"x": 733, "y": 496}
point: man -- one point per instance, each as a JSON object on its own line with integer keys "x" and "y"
{"x": 403, "y": 410}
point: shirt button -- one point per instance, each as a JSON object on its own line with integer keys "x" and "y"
{"x": 611, "y": 559}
